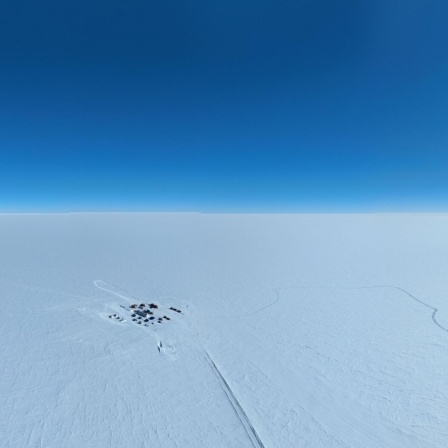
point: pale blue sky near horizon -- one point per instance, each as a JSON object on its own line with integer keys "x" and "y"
{"x": 213, "y": 106}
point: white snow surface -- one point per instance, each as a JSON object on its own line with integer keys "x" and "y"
{"x": 295, "y": 331}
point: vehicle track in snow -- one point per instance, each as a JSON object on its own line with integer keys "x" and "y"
{"x": 239, "y": 410}
{"x": 427, "y": 305}
{"x": 277, "y": 292}
{"x": 256, "y": 311}
{"x": 100, "y": 284}
{"x": 265, "y": 307}
{"x": 434, "y": 310}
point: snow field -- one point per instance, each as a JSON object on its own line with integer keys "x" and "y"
{"x": 296, "y": 331}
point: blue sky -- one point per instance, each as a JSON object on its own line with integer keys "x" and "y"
{"x": 261, "y": 106}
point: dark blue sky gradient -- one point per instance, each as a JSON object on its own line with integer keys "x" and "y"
{"x": 224, "y": 106}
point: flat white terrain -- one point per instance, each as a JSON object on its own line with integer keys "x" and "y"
{"x": 291, "y": 331}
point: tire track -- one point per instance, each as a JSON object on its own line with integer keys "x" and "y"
{"x": 427, "y": 305}
{"x": 434, "y": 310}
{"x": 250, "y": 430}
{"x": 258, "y": 310}
{"x": 99, "y": 285}
{"x": 274, "y": 302}
{"x": 50, "y": 291}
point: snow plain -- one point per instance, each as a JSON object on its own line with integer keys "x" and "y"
{"x": 296, "y": 331}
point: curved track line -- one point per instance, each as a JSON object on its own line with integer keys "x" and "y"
{"x": 434, "y": 310}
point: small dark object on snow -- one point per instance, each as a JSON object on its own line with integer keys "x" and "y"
{"x": 146, "y": 320}
{"x": 139, "y": 322}
{"x": 151, "y": 318}
{"x": 178, "y": 311}
{"x": 134, "y": 306}
{"x": 133, "y": 315}
{"x": 134, "y": 320}
{"x": 153, "y": 305}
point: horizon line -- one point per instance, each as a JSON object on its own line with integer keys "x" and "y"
{"x": 198, "y": 212}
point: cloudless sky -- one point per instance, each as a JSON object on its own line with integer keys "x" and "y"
{"x": 316, "y": 105}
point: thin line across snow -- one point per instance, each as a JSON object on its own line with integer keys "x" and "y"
{"x": 50, "y": 291}
{"x": 268, "y": 305}
{"x": 434, "y": 310}
{"x": 126, "y": 297}
{"x": 251, "y": 432}
{"x": 258, "y": 310}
